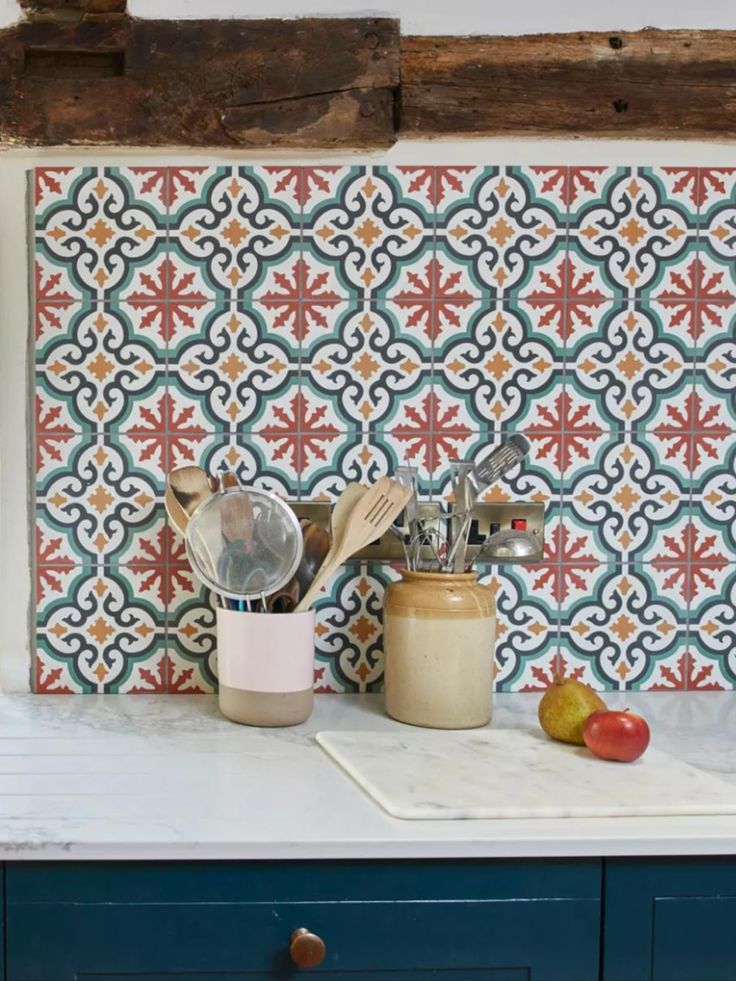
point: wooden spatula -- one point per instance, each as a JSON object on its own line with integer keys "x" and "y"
{"x": 367, "y": 517}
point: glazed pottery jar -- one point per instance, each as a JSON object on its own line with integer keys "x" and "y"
{"x": 439, "y": 635}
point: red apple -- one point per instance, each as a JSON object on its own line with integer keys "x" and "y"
{"x": 620, "y": 736}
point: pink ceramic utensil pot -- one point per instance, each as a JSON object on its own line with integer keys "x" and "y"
{"x": 266, "y": 667}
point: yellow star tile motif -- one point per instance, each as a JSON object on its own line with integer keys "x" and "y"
{"x": 100, "y": 630}
{"x": 366, "y": 366}
{"x": 630, "y": 365}
{"x": 100, "y": 499}
{"x": 100, "y": 233}
{"x": 368, "y": 232}
{"x": 233, "y": 366}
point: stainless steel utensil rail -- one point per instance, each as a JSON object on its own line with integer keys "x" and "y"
{"x": 483, "y": 521}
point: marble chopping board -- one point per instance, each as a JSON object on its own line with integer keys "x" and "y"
{"x": 514, "y": 773}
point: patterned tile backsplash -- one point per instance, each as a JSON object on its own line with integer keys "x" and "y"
{"x": 307, "y": 326}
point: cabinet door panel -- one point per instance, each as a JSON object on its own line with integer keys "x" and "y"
{"x": 694, "y": 939}
{"x": 670, "y": 920}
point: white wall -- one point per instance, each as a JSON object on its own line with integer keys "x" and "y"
{"x": 459, "y": 16}
{"x": 14, "y": 558}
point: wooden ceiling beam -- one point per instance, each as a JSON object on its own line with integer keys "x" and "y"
{"x": 113, "y": 80}
{"x": 648, "y": 83}
{"x": 83, "y": 72}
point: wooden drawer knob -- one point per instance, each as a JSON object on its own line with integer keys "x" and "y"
{"x": 306, "y": 949}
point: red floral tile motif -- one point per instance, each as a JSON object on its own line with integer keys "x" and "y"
{"x": 159, "y": 561}
{"x": 49, "y": 184}
{"x": 569, "y": 183}
{"x": 303, "y": 182}
{"x": 53, "y": 433}
{"x": 549, "y": 673}
{"x": 693, "y": 431}
{"x": 689, "y": 560}
{"x": 301, "y": 300}
{"x": 166, "y": 299}
{"x": 700, "y": 184}
{"x": 301, "y": 433}
{"x": 567, "y": 301}
{"x": 567, "y": 563}
{"x": 54, "y": 298}
{"x": 166, "y": 434}
{"x": 565, "y": 431}
{"x": 686, "y": 674}
{"x": 438, "y": 185}
{"x": 49, "y": 678}
{"x": 434, "y": 299}
{"x": 695, "y": 299}
{"x": 431, "y": 432}
{"x": 169, "y": 185}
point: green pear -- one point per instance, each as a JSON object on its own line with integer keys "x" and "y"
{"x": 565, "y": 707}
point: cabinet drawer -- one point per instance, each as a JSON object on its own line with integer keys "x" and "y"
{"x": 474, "y": 921}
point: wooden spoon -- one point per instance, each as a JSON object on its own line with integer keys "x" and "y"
{"x": 177, "y": 515}
{"x": 190, "y": 486}
{"x": 357, "y": 522}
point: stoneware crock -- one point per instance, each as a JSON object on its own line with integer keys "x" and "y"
{"x": 439, "y": 636}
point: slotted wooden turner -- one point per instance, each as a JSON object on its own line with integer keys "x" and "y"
{"x": 372, "y": 515}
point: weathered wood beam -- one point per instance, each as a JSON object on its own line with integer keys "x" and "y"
{"x": 83, "y": 72}
{"x": 113, "y": 80}
{"x": 649, "y": 83}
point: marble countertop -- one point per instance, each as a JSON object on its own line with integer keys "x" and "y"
{"x": 123, "y": 777}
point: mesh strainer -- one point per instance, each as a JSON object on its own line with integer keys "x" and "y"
{"x": 244, "y": 543}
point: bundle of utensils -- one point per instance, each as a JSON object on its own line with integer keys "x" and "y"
{"x": 248, "y": 547}
{"x": 441, "y": 546}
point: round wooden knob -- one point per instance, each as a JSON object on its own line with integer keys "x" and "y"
{"x": 306, "y": 949}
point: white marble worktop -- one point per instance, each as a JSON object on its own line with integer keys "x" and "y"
{"x": 124, "y": 777}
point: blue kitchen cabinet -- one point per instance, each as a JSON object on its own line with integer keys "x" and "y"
{"x": 380, "y": 921}
{"x": 670, "y": 920}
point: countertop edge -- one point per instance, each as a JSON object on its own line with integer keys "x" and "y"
{"x": 540, "y": 848}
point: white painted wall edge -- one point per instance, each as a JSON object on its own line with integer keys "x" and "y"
{"x": 459, "y": 17}
{"x": 15, "y": 584}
